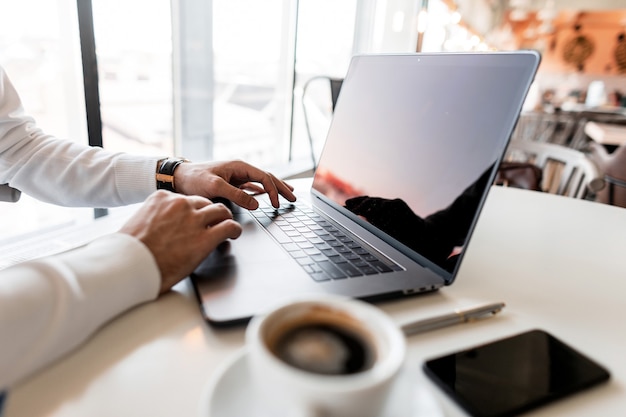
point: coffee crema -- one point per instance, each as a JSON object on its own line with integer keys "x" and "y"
{"x": 325, "y": 348}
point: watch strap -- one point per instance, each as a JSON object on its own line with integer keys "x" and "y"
{"x": 165, "y": 173}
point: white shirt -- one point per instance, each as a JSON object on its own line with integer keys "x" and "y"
{"x": 49, "y": 306}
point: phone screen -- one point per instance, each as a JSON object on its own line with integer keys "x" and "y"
{"x": 512, "y": 375}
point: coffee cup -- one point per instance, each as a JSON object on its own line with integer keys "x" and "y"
{"x": 324, "y": 356}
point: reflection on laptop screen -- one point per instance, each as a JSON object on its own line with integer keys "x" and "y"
{"x": 412, "y": 148}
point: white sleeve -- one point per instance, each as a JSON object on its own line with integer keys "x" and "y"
{"x": 50, "y": 306}
{"x": 63, "y": 172}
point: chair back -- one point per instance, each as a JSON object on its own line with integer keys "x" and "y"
{"x": 566, "y": 171}
{"x": 556, "y": 128}
{"x": 319, "y": 97}
{"x": 613, "y": 165}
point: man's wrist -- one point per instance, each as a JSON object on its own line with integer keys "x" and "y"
{"x": 165, "y": 173}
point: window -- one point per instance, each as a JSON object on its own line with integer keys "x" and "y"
{"x": 207, "y": 79}
{"x": 39, "y": 49}
{"x": 325, "y": 44}
{"x": 134, "y": 52}
{"x": 252, "y": 61}
{"x": 328, "y": 34}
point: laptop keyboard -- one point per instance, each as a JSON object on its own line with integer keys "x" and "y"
{"x": 323, "y": 249}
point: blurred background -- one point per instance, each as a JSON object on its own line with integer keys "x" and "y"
{"x": 246, "y": 79}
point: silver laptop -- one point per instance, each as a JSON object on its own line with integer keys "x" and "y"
{"x": 413, "y": 146}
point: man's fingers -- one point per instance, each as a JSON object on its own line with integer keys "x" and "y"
{"x": 226, "y": 229}
{"x": 272, "y": 185}
{"x": 281, "y": 188}
{"x": 234, "y": 194}
{"x": 231, "y": 180}
{"x": 213, "y": 214}
{"x": 199, "y": 202}
{"x": 252, "y": 187}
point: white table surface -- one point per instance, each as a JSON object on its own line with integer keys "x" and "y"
{"x": 558, "y": 263}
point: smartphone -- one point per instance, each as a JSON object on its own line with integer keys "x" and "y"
{"x": 512, "y": 375}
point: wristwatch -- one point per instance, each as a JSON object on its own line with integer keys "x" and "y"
{"x": 165, "y": 173}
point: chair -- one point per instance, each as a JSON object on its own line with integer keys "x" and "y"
{"x": 581, "y": 139}
{"x": 319, "y": 97}
{"x": 556, "y": 128}
{"x": 566, "y": 171}
{"x": 613, "y": 165}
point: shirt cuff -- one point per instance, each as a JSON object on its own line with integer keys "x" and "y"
{"x": 135, "y": 177}
{"x": 115, "y": 272}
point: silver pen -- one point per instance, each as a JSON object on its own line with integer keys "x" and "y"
{"x": 459, "y": 316}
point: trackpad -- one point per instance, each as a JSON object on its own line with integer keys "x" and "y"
{"x": 252, "y": 247}
{"x": 244, "y": 276}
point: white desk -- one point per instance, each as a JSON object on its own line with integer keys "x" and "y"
{"x": 558, "y": 263}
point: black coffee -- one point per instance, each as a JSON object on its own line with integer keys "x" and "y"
{"x": 325, "y": 349}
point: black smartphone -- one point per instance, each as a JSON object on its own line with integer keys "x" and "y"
{"x": 512, "y": 375}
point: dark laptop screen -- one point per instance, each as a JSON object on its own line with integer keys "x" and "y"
{"x": 412, "y": 147}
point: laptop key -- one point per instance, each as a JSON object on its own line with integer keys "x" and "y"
{"x": 305, "y": 260}
{"x": 368, "y": 270}
{"x": 258, "y": 214}
{"x": 316, "y": 273}
{"x": 349, "y": 270}
{"x": 350, "y": 256}
{"x": 337, "y": 259}
{"x": 360, "y": 263}
{"x": 323, "y": 246}
{"x": 380, "y": 267}
{"x": 320, "y": 276}
{"x": 331, "y": 270}
{"x": 318, "y": 257}
{"x": 290, "y": 247}
{"x": 278, "y": 234}
{"x": 298, "y": 254}
{"x": 311, "y": 251}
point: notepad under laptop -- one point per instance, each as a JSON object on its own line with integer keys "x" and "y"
{"x": 411, "y": 151}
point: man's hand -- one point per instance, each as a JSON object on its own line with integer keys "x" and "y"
{"x": 230, "y": 180}
{"x": 180, "y": 231}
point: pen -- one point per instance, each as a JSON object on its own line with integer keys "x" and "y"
{"x": 459, "y": 316}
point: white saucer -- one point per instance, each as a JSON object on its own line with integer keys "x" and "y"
{"x": 229, "y": 394}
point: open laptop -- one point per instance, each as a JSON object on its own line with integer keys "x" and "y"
{"x": 413, "y": 146}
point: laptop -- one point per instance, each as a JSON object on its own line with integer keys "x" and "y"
{"x": 413, "y": 146}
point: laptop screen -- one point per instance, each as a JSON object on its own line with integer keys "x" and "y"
{"x": 415, "y": 141}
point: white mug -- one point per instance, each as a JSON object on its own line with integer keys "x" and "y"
{"x": 371, "y": 349}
